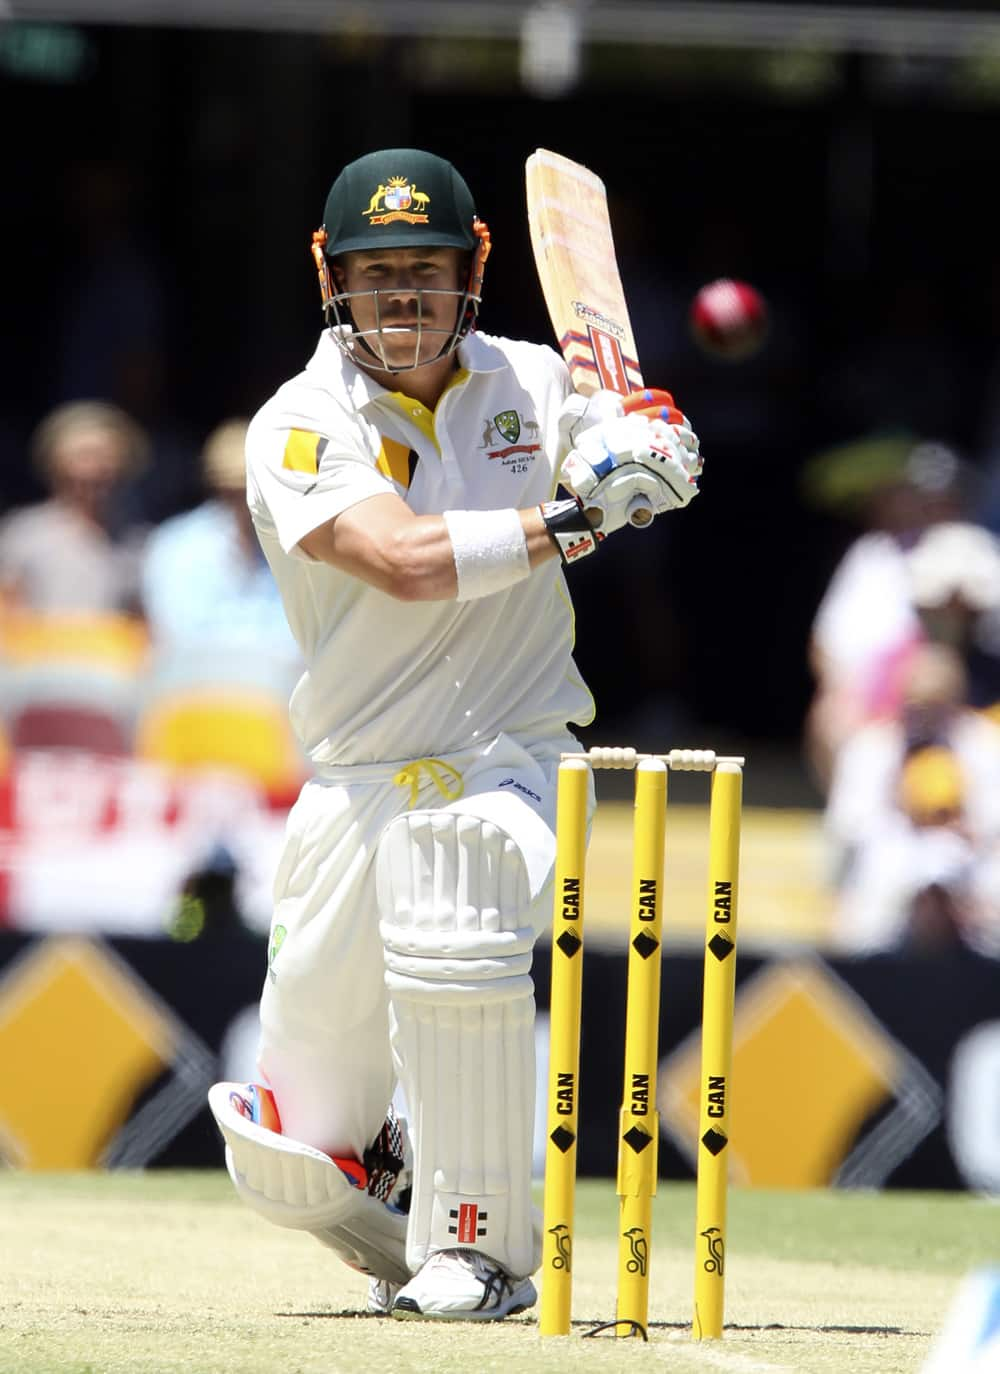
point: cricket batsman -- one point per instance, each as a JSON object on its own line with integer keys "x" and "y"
{"x": 404, "y": 490}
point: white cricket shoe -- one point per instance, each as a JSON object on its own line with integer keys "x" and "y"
{"x": 381, "y": 1296}
{"x": 462, "y": 1286}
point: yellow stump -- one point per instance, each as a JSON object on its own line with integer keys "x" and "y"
{"x": 564, "y": 1049}
{"x": 638, "y": 1134}
{"x": 717, "y": 1051}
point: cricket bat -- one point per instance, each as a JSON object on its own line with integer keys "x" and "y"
{"x": 578, "y": 270}
{"x": 575, "y": 256}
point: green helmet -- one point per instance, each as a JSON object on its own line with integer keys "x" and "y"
{"x": 398, "y": 198}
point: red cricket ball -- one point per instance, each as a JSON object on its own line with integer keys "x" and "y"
{"x": 729, "y": 319}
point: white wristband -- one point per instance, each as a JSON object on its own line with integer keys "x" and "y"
{"x": 490, "y": 550}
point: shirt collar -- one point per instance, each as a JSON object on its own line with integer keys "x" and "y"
{"x": 475, "y": 354}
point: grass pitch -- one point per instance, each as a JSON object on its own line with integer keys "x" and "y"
{"x": 167, "y": 1273}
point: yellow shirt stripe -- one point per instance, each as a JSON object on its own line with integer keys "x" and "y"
{"x": 302, "y": 452}
{"x": 394, "y": 461}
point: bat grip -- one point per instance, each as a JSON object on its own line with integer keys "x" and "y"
{"x": 640, "y": 512}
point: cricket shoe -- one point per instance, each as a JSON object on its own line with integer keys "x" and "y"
{"x": 462, "y": 1286}
{"x": 381, "y": 1296}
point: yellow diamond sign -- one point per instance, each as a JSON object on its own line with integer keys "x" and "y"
{"x": 811, "y": 1066}
{"x": 81, "y": 1039}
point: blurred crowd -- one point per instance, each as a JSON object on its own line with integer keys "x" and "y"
{"x": 190, "y": 596}
{"x": 903, "y": 731}
{"x": 164, "y": 642}
{"x": 158, "y": 651}
{"x": 145, "y": 663}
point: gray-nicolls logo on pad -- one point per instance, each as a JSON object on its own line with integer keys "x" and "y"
{"x": 466, "y": 1222}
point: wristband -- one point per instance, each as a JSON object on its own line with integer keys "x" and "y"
{"x": 572, "y": 532}
{"x": 489, "y": 549}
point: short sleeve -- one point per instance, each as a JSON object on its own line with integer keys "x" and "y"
{"x": 298, "y": 479}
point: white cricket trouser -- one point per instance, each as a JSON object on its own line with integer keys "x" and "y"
{"x": 324, "y": 1047}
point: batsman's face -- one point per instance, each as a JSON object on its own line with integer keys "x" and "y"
{"x": 404, "y": 299}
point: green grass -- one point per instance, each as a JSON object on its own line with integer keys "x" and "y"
{"x": 164, "y": 1273}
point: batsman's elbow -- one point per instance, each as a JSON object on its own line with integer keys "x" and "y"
{"x": 413, "y": 570}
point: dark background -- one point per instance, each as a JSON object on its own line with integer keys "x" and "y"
{"x": 161, "y": 184}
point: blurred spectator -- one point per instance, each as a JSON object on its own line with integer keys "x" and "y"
{"x": 954, "y": 577}
{"x": 867, "y": 610}
{"x": 913, "y": 820}
{"x": 206, "y": 584}
{"x": 224, "y": 661}
{"x": 69, "y": 554}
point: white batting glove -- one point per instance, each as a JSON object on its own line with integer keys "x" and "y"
{"x": 580, "y": 413}
{"x": 630, "y": 469}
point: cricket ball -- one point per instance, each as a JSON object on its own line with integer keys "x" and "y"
{"x": 729, "y": 319}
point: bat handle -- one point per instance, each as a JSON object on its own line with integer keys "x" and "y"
{"x": 640, "y": 512}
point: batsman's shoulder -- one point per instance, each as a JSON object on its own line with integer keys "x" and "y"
{"x": 300, "y": 410}
{"x": 535, "y": 365}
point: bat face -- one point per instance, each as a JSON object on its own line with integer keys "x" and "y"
{"x": 575, "y": 257}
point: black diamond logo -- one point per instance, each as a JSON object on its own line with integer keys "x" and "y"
{"x": 714, "y": 1142}
{"x": 645, "y": 945}
{"x": 569, "y": 943}
{"x": 562, "y": 1139}
{"x": 721, "y": 947}
{"x": 638, "y": 1140}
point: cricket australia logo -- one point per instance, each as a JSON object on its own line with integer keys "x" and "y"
{"x": 563, "y": 1258}
{"x": 716, "y": 1261}
{"x": 638, "y": 1250}
{"x": 509, "y": 425}
{"x": 393, "y": 201}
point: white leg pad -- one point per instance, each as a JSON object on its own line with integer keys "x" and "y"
{"x": 453, "y": 896}
{"x": 294, "y": 1185}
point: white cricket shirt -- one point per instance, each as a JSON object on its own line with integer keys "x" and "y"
{"x": 388, "y": 680}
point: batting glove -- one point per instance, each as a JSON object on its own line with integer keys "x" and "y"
{"x": 630, "y": 469}
{"x": 580, "y": 413}
{"x": 660, "y": 405}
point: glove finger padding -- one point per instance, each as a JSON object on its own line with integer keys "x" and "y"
{"x": 631, "y": 457}
{"x": 682, "y": 443}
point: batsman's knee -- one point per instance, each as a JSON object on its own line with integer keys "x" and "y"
{"x": 454, "y": 902}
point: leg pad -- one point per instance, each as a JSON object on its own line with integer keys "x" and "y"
{"x": 454, "y": 898}
{"x": 295, "y": 1185}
